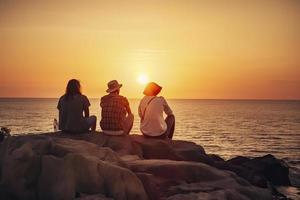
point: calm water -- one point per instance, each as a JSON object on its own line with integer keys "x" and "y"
{"x": 224, "y": 127}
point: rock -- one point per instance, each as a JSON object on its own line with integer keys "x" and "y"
{"x": 252, "y": 176}
{"x": 239, "y": 160}
{"x": 170, "y": 149}
{"x": 99, "y": 167}
{"x": 146, "y": 148}
{"x": 92, "y": 197}
{"x": 190, "y": 180}
{"x": 34, "y": 167}
{"x": 55, "y": 181}
{"x": 224, "y": 189}
{"x": 20, "y": 169}
{"x": 260, "y": 170}
{"x": 150, "y": 185}
{"x": 216, "y": 158}
{"x": 275, "y": 170}
{"x": 122, "y": 145}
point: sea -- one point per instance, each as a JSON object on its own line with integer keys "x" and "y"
{"x": 225, "y": 127}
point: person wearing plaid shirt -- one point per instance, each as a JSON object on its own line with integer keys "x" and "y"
{"x": 116, "y": 115}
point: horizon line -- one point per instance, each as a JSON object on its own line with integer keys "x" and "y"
{"x": 224, "y": 99}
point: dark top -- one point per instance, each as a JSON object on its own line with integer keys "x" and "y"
{"x": 71, "y": 113}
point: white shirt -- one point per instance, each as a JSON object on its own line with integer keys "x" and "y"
{"x": 154, "y": 123}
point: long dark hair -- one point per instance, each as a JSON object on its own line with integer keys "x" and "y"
{"x": 73, "y": 88}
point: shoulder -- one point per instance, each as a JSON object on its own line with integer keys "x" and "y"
{"x": 162, "y": 99}
{"x": 123, "y": 99}
{"x": 60, "y": 102}
{"x": 143, "y": 99}
{"x": 105, "y": 97}
{"x": 62, "y": 98}
{"x": 84, "y": 98}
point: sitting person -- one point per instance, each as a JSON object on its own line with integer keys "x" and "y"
{"x": 117, "y": 118}
{"x": 151, "y": 110}
{"x": 72, "y": 105}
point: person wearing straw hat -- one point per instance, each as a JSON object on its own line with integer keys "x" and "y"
{"x": 116, "y": 115}
{"x": 151, "y": 111}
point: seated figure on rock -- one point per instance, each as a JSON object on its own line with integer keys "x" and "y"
{"x": 74, "y": 112}
{"x": 116, "y": 116}
{"x": 151, "y": 111}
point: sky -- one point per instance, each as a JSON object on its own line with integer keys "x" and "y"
{"x": 226, "y": 49}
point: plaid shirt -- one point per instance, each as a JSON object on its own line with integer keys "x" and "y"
{"x": 113, "y": 112}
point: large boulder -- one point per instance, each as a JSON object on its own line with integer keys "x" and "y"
{"x": 171, "y": 149}
{"x": 260, "y": 170}
{"x": 39, "y": 167}
{"x": 190, "y": 180}
{"x": 275, "y": 170}
{"x": 122, "y": 145}
{"x": 146, "y": 148}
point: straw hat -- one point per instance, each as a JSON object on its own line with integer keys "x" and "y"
{"x": 113, "y": 86}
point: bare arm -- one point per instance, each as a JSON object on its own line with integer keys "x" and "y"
{"x": 167, "y": 109}
{"x": 86, "y": 104}
{"x": 140, "y": 111}
{"x": 128, "y": 109}
{"x": 86, "y": 112}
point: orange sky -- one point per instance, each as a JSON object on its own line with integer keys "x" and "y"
{"x": 193, "y": 48}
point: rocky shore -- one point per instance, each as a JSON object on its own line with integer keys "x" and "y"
{"x": 93, "y": 166}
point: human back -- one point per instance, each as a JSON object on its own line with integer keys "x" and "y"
{"x": 113, "y": 111}
{"x": 71, "y": 112}
{"x": 151, "y": 110}
{"x": 153, "y": 122}
{"x": 116, "y": 115}
{"x": 73, "y": 109}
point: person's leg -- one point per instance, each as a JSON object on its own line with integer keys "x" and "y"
{"x": 127, "y": 124}
{"x": 170, "y": 120}
{"x": 92, "y": 122}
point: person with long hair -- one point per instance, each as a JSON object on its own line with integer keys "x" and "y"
{"x": 74, "y": 114}
{"x": 151, "y": 111}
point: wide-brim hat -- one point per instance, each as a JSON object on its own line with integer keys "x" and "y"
{"x": 152, "y": 89}
{"x": 113, "y": 86}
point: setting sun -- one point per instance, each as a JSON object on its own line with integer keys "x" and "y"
{"x": 142, "y": 79}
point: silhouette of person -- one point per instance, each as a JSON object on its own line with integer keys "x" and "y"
{"x": 151, "y": 109}
{"x": 73, "y": 109}
{"x": 117, "y": 118}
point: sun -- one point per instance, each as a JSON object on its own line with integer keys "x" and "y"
{"x": 142, "y": 79}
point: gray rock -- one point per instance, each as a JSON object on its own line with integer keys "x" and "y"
{"x": 98, "y": 167}
{"x": 37, "y": 167}
{"x": 190, "y": 180}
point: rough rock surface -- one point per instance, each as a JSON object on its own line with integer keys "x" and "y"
{"x": 41, "y": 167}
{"x": 94, "y": 166}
